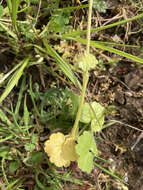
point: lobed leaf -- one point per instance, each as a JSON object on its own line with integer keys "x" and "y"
{"x": 94, "y": 113}
{"x": 61, "y": 149}
{"x": 85, "y": 148}
{"x": 53, "y": 147}
{"x": 68, "y": 150}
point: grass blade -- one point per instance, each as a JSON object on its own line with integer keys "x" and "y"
{"x": 12, "y": 34}
{"x": 116, "y": 44}
{"x": 20, "y": 97}
{"x": 9, "y": 73}
{"x": 5, "y": 139}
{"x": 9, "y": 4}
{"x": 15, "y": 4}
{"x": 108, "y": 172}
{"x": 33, "y": 98}
{"x": 109, "y": 49}
{"x": 26, "y": 115}
{"x": 61, "y": 63}
{"x": 4, "y": 118}
{"x": 82, "y": 32}
{"x": 14, "y": 80}
{"x": 11, "y": 185}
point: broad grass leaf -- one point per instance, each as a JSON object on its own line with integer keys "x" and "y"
{"x": 109, "y": 49}
{"x": 62, "y": 64}
{"x": 85, "y": 148}
{"x": 5, "y": 119}
{"x": 97, "y": 29}
{"x": 1, "y": 11}
{"x": 26, "y": 113}
{"x": 5, "y": 28}
{"x": 13, "y": 185}
{"x": 14, "y": 80}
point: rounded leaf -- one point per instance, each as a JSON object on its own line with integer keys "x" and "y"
{"x": 87, "y": 62}
{"x": 86, "y": 148}
{"x": 60, "y": 149}
{"x": 68, "y": 150}
{"x": 53, "y": 147}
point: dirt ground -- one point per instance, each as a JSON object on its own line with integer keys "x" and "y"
{"x": 122, "y": 86}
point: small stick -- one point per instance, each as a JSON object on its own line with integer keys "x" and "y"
{"x": 137, "y": 141}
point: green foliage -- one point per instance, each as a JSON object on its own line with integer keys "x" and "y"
{"x": 59, "y": 21}
{"x": 94, "y": 113}
{"x": 86, "y": 149}
{"x": 52, "y": 102}
{"x": 100, "y": 6}
{"x": 105, "y": 48}
{"x": 74, "y": 104}
{"x": 1, "y": 11}
{"x": 34, "y": 138}
{"x": 26, "y": 113}
{"x": 4, "y": 152}
{"x": 29, "y": 147}
{"x": 26, "y": 31}
{"x": 14, "y": 80}
{"x": 14, "y": 165}
{"x": 63, "y": 65}
{"x": 36, "y": 157}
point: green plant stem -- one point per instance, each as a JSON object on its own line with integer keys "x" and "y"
{"x": 74, "y": 133}
{"x": 75, "y": 127}
{"x": 89, "y": 26}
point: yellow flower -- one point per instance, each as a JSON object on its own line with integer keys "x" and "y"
{"x": 60, "y": 149}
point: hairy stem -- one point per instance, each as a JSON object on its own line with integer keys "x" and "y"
{"x": 85, "y": 75}
{"x": 75, "y": 127}
{"x": 89, "y": 26}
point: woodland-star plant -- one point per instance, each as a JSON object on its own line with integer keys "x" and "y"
{"x": 61, "y": 149}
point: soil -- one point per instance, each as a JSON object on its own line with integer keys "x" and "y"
{"x": 123, "y": 88}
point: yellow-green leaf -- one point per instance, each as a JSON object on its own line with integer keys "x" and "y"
{"x": 68, "y": 150}
{"x": 86, "y": 149}
{"x": 87, "y": 62}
